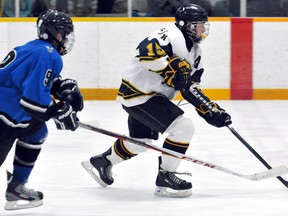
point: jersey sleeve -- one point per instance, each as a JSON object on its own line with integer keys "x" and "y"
{"x": 36, "y": 86}
{"x": 154, "y": 51}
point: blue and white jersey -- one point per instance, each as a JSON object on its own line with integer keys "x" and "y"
{"x": 26, "y": 75}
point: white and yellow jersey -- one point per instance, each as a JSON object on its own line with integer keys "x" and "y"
{"x": 143, "y": 77}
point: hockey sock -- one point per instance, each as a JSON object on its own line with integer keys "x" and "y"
{"x": 21, "y": 173}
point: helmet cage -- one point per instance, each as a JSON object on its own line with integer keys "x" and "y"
{"x": 199, "y": 31}
{"x": 68, "y": 43}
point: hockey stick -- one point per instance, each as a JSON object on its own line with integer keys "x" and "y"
{"x": 277, "y": 171}
{"x": 255, "y": 153}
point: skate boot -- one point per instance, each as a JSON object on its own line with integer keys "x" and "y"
{"x": 103, "y": 166}
{"x": 18, "y": 196}
{"x": 169, "y": 185}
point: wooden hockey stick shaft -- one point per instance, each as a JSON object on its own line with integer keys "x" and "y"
{"x": 236, "y": 134}
{"x": 277, "y": 171}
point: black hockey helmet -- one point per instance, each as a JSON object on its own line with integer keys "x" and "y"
{"x": 50, "y": 24}
{"x": 187, "y": 17}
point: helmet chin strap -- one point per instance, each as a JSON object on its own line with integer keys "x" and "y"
{"x": 56, "y": 43}
{"x": 188, "y": 41}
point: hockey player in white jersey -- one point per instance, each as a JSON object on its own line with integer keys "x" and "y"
{"x": 166, "y": 62}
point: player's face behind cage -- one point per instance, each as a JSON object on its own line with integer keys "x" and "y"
{"x": 68, "y": 43}
{"x": 56, "y": 28}
{"x": 197, "y": 31}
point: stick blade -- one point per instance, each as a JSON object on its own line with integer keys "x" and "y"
{"x": 274, "y": 172}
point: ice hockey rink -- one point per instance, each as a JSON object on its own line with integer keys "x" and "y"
{"x": 69, "y": 190}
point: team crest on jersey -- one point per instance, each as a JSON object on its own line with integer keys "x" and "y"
{"x": 49, "y": 49}
{"x": 47, "y": 77}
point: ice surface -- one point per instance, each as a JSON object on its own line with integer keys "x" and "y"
{"x": 69, "y": 190}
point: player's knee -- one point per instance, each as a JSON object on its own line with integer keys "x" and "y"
{"x": 136, "y": 149}
{"x": 182, "y": 129}
{"x": 28, "y": 147}
{"x": 39, "y": 137}
{"x": 124, "y": 150}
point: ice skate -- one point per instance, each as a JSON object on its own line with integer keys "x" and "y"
{"x": 169, "y": 185}
{"x": 18, "y": 196}
{"x": 103, "y": 166}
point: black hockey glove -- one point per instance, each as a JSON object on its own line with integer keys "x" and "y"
{"x": 68, "y": 90}
{"x": 214, "y": 114}
{"x": 65, "y": 117}
{"x": 177, "y": 73}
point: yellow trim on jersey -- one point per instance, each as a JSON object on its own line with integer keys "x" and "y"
{"x": 129, "y": 91}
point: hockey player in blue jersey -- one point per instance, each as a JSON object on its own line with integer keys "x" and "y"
{"x": 32, "y": 92}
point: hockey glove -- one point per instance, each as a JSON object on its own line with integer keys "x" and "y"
{"x": 210, "y": 111}
{"x": 177, "y": 74}
{"x": 214, "y": 114}
{"x": 68, "y": 90}
{"x": 65, "y": 117}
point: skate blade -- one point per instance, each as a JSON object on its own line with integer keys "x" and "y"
{"x": 170, "y": 193}
{"x": 89, "y": 168}
{"x": 22, "y": 204}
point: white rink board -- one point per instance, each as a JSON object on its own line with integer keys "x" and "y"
{"x": 270, "y": 55}
{"x": 103, "y": 49}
